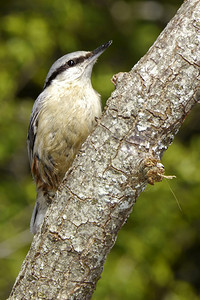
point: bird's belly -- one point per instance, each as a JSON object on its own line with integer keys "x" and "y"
{"x": 61, "y": 148}
{"x": 59, "y": 139}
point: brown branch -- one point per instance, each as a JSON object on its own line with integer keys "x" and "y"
{"x": 116, "y": 162}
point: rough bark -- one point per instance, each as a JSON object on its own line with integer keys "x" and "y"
{"x": 115, "y": 164}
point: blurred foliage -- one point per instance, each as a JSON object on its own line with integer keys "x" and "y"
{"x": 156, "y": 255}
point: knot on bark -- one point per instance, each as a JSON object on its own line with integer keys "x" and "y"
{"x": 153, "y": 170}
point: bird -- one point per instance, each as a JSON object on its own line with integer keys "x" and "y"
{"x": 63, "y": 115}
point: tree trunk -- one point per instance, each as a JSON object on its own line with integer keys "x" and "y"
{"x": 114, "y": 165}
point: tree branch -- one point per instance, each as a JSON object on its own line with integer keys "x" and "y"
{"x": 115, "y": 164}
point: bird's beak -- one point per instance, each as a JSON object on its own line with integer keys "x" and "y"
{"x": 98, "y": 51}
{"x": 93, "y": 55}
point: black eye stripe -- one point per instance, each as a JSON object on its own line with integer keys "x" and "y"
{"x": 70, "y": 63}
{"x": 78, "y": 60}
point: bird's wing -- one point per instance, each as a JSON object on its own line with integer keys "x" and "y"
{"x": 33, "y": 125}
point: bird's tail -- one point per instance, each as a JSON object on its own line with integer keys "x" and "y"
{"x": 39, "y": 212}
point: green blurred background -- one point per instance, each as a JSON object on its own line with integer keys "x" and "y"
{"x": 156, "y": 255}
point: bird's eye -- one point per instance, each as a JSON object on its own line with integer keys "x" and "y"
{"x": 71, "y": 62}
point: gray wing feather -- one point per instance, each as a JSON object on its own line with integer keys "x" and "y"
{"x": 32, "y": 130}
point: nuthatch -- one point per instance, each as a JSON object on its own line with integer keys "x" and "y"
{"x": 63, "y": 115}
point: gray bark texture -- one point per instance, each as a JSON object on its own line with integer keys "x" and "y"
{"x": 116, "y": 162}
